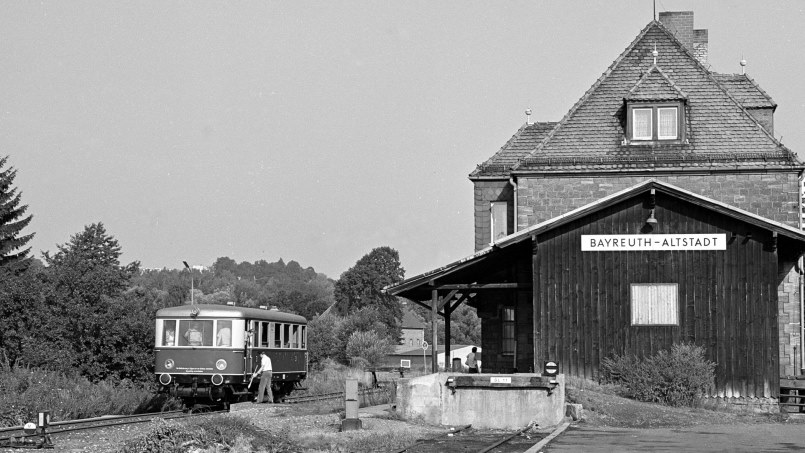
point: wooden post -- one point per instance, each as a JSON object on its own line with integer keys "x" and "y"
{"x": 434, "y": 300}
{"x": 447, "y": 364}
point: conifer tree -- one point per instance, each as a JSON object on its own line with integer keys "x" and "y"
{"x": 12, "y": 220}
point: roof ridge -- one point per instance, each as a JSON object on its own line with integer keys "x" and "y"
{"x": 589, "y": 91}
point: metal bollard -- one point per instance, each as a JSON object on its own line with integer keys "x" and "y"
{"x": 351, "y": 421}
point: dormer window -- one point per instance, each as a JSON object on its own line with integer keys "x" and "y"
{"x": 655, "y": 122}
{"x": 655, "y": 110}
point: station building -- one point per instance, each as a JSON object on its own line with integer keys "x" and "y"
{"x": 660, "y": 209}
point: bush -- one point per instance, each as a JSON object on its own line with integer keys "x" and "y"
{"x": 368, "y": 348}
{"x": 25, "y": 391}
{"x": 678, "y": 377}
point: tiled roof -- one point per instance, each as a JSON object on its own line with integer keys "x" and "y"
{"x": 655, "y": 86}
{"x": 745, "y": 90}
{"x": 720, "y": 133}
{"x": 520, "y": 145}
{"x": 410, "y": 320}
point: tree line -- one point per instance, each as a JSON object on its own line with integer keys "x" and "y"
{"x": 80, "y": 310}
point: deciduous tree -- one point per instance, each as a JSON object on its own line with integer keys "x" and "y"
{"x": 362, "y": 285}
{"x": 86, "y": 281}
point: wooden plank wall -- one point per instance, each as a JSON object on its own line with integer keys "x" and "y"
{"x": 727, "y": 299}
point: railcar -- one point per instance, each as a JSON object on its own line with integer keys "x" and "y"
{"x": 206, "y": 354}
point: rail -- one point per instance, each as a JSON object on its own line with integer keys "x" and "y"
{"x": 329, "y": 396}
{"x": 11, "y": 436}
{"x": 467, "y": 439}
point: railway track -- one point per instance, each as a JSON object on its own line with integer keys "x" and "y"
{"x": 328, "y": 396}
{"x": 467, "y": 439}
{"x": 15, "y": 436}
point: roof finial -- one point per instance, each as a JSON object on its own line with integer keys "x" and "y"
{"x": 528, "y": 117}
{"x": 743, "y": 65}
{"x": 655, "y": 53}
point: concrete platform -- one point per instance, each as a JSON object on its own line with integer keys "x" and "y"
{"x": 496, "y": 401}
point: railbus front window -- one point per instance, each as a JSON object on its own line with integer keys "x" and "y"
{"x": 196, "y": 333}
{"x": 169, "y": 332}
{"x": 304, "y": 337}
{"x": 224, "y": 335}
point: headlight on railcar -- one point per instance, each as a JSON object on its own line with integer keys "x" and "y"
{"x": 220, "y": 364}
{"x": 169, "y": 364}
{"x": 164, "y": 378}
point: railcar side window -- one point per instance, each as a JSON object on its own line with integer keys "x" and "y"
{"x": 224, "y": 335}
{"x": 286, "y": 332}
{"x": 278, "y": 335}
{"x": 304, "y": 337}
{"x": 264, "y": 335}
{"x": 195, "y": 333}
{"x": 294, "y": 336}
{"x": 169, "y": 333}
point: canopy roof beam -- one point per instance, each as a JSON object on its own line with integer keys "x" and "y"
{"x": 479, "y": 286}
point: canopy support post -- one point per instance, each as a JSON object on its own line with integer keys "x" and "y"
{"x": 434, "y": 302}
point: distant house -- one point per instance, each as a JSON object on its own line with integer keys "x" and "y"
{"x": 413, "y": 331}
{"x": 417, "y": 358}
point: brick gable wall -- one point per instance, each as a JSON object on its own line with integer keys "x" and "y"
{"x": 771, "y": 195}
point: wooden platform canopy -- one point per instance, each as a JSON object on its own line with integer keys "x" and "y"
{"x": 443, "y": 290}
{"x": 495, "y": 268}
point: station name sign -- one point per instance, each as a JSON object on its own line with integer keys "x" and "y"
{"x": 637, "y": 242}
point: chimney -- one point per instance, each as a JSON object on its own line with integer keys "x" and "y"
{"x": 680, "y": 23}
{"x": 700, "y": 46}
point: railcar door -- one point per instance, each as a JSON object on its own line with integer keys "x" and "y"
{"x": 249, "y": 355}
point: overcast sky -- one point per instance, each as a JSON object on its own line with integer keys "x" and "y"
{"x": 315, "y": 131}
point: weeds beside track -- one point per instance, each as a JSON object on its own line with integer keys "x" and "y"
{"x": 17, "y": 432}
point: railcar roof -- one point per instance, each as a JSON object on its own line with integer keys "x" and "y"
{"x": 228, "y": 311}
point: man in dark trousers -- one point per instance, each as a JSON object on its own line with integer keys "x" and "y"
{"x": 472, "y": 362}
{"x": 265, "y": 379}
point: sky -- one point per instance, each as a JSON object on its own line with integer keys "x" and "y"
{"x": 315, "y": 131}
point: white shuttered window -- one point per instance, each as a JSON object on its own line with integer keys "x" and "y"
{"x": 655, "y": 304}
{"x": 500, "y": 214}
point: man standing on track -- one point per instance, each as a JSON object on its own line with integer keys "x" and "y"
{"x": 265, "y": 379}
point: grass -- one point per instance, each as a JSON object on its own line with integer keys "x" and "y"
{"x": 24, "y": 392}
{"x": 209, "y": 434}
{"x": 331, "y": 379}
{"x": 606, "y": 405}
{"x": 377, "y": 435}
